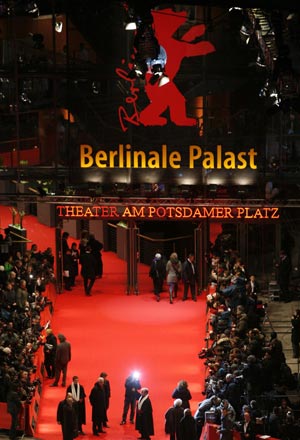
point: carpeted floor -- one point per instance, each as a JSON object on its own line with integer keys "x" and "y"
{"x": 118, "y": 333}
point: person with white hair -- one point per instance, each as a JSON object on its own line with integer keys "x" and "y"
{"x": 97, "y": 400}
{"x": 144, "y": 415}
{"x": 172, "y": 419}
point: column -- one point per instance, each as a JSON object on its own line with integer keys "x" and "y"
{"x": 132, "y": 259}
{"x": 201, "y": 239}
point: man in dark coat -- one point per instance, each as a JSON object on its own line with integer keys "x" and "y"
{"x": 62, "y": 358}
{"x": 144, "y": 415}
{"x": 158, "y": 273}
{"x": 97, "y": 400}
{"x": 67, "y": 418}
{"x": 78, "y": 395}
{"x": 88, "y": 270}
{"x": 13, "y": 408}
{"x": 96, "y": 248}
{"x": 132, "y": 387}
{"x": 68, "y": 275}
{"x": 50, "y": 353}
{"x": 188, "y": 426}
{"x": 189, "y": 277}
{"x": 107, "y": 392}
{"x": 172, "y": 419}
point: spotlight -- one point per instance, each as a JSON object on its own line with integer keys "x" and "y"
{"x": 130, "y": 26}
{"x": 136, "y": 375}
{"x": 58, "y": 26}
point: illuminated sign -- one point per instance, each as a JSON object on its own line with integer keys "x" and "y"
{"x": 125, "y": 156}
{"x": 151, "y": 212}
{"x": 168, "y": 26}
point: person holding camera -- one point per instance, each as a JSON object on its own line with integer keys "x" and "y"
{"x": 132, "y": 387}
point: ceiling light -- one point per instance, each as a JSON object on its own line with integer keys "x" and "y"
{"x": 131, "y": 26}
{"x": 58, "y": 26}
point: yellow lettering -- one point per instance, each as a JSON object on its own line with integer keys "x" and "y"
{"x": 79, "y": 211}
{"x": 139, "y": 155}
{"x": 86, "y": 159}
{"x": 219, "y": 156}
{"x": 241, "y": 158}
{"x": 252, "y": 153}
{"x": 258, "y": 214}
{"x": 248, "y": 215}
{"x": 195, "y": 154}
{"x": 151, "y": 211}
{"x": 208, "y": 161}
{"x": 275, "y": 213}
{"x": 229, "y": 163}
{"x": 175, "y": 156}
{"x": 197, "y": 213}
{"x": 88, "y": 212}
{"x": 153, "y": 162}
{"x": 126, "y": 212}
{"x": 227, "y": 212}
{"x": 240, "y": 212}
{"x": 112, "y": 155}
{"x": 100, "y": 157}
{"x": 138, "y": 212}
{"x": 69, "y": 211}
{"x": 178, "y": 212}
{"x": 164, "y": 156}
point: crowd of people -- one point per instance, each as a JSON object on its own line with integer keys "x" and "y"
{"x": 249, "y": 382}
{"x": 23, "y": 280}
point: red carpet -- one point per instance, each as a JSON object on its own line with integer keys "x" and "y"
{"x": 113, "y": 332}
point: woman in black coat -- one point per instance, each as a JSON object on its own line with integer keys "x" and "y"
{"x": 182, "y": 392}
